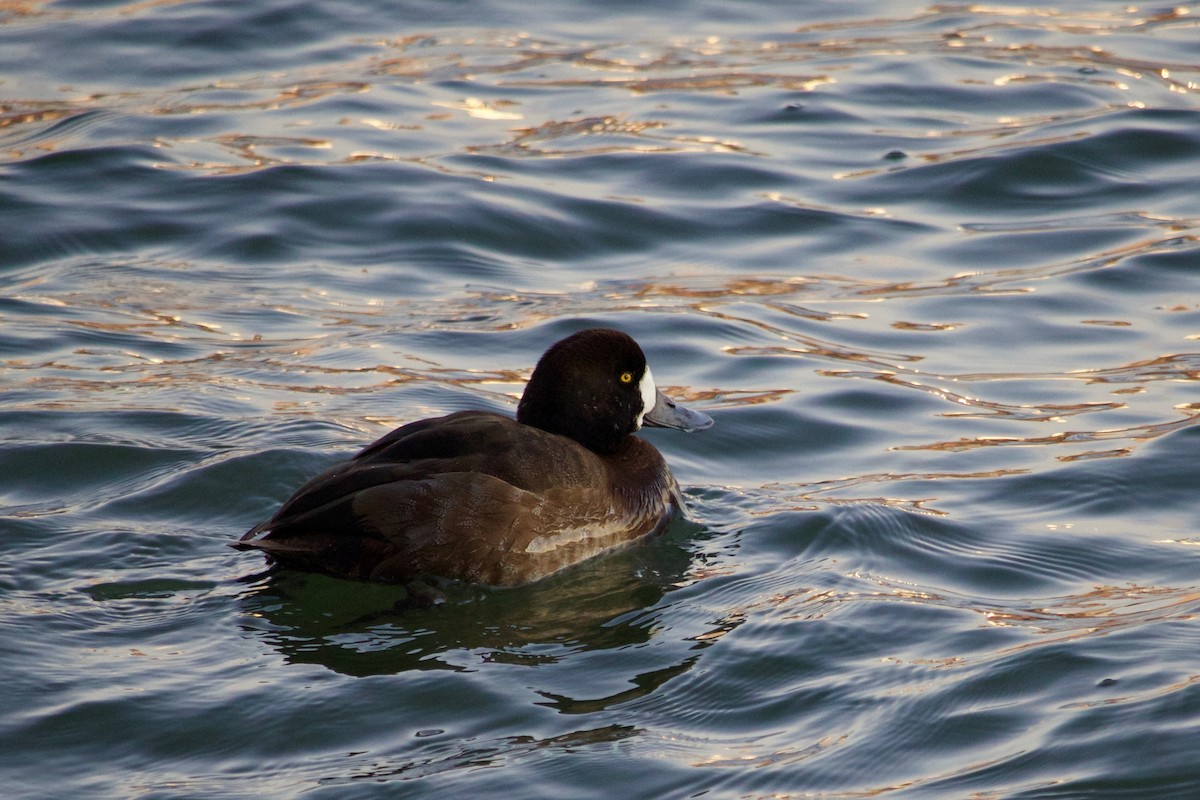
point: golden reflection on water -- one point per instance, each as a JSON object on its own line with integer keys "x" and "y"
{"x": 1100, "y": 611}
{"x": 714, "y": 297}
{"x": 751, "y": 303}
{"x": 1027, "y": 412}
{"x": 803, "y": 60}
{"x": 829, "y": 492}
{"x": 777, "y": 313}
{"x": 1102, "y": 608}
{"x": 21, "y": 8}
{"x": 1135, "y": 434}
{"x": 726, "y": 83}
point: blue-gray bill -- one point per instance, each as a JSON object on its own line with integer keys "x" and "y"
{"x": 667, "y": 414}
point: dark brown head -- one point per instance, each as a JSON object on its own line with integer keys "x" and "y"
{"x": 595, "y": 387}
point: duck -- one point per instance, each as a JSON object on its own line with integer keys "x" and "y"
{"x": 487, "y": 499}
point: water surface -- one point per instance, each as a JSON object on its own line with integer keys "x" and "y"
{"x": 930, "y": 268}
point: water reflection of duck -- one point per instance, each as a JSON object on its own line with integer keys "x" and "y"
{"x": 604, "y": 604}
{"x": 483, "y": 498}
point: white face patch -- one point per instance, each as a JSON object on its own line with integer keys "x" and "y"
{"x": 649, "y": 395}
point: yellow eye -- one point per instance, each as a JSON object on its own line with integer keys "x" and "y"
{"x": 626, "y": 377}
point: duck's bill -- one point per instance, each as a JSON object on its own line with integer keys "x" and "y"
{"x": 667, "y": 414}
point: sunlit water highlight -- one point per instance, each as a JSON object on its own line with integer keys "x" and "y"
{"x": 931, "y": 269}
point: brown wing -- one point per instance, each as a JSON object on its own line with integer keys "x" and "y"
{"x": 474, "y": 496}
{"x": 469, "y": 441}
{"x": 490, "y": 532}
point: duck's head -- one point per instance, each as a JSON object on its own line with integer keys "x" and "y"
{"x": 595, "y": 387}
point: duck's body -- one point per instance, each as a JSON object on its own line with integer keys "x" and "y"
{"x": 484, "y": 498}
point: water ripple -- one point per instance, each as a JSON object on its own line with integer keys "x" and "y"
{"x": 930, "y": 268}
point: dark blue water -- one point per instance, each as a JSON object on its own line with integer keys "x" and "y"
{"x": 932, "y": 269}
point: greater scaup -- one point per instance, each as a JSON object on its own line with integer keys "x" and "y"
{"x": 483, "y": 498}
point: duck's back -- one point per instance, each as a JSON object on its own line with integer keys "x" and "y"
{"x": 473, "y": 496}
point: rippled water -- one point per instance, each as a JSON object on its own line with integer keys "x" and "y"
{"x": 931, "y": 269}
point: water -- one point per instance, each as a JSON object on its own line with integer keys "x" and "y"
{"x": 931, "y": 269}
